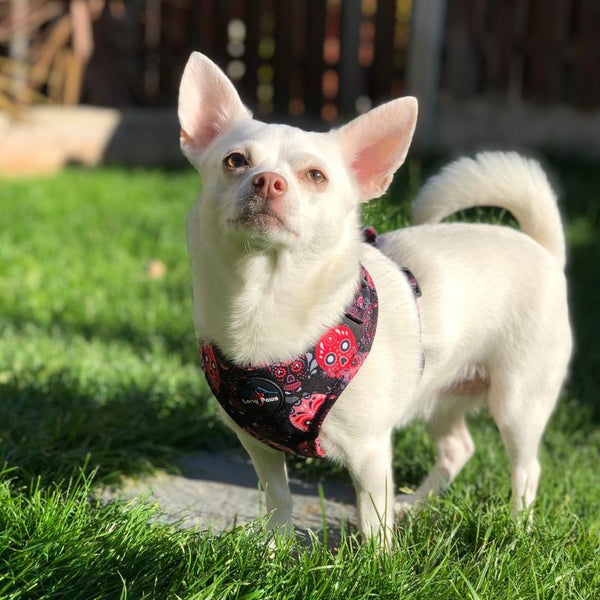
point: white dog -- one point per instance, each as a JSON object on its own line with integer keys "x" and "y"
{"x": 318, "y": 343}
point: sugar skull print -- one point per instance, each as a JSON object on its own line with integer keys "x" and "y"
{"x": 210, "y": 366}
{"x": 336, "y": 350}
{"x": 290, "y": 375}
{"x": 311, "y": 448}
{"x": 303, "y": 412}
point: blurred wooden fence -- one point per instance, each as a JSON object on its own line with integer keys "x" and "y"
{"x": 311, "y": 57}
{"x": 306, "y": 57}
{"x": 320, "y": 59}
{"x": 544, "y": 51}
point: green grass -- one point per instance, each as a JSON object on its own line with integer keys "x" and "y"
{"x": 99, "y": 380}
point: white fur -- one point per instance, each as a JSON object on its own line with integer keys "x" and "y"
{"x": 493, "y": 324}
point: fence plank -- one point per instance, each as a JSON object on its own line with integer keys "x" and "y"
{"x": 252, "y": 61}
{"x": 586, "y": 78}
{"x": 298, "y": 51}
{"x": 201, "y": 26}
{"x": 424, "y": 65}
{"x": 315, "y": 37}
{"x": 383, "y": 60}
{"x": 282, "y": 62}
{"x": 545, "y": 56}
{"x": 349, "y": 69}
{"x": 501, "y": 46}
{"x": 462, "y": 57}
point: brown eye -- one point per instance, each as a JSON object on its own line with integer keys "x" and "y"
{"x": 235, "y": 160}
{"x": 316, "y": 176}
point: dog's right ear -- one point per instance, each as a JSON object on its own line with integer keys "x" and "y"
{"x": 208, "y": 105}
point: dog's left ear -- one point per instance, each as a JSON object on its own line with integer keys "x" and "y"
{"x": 375, "y": 144}
{"x": 208, "y": 105}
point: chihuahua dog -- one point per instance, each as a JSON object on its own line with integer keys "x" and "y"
{"x": 318, "y": 343}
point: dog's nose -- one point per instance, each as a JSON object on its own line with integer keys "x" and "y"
{"x": 269, "y": 185}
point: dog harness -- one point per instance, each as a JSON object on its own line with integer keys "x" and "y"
{"x": 284, "y": 404}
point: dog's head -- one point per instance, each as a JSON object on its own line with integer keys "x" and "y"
{"x": 278, "y": 184}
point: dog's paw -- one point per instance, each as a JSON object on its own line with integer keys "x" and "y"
{"x": 405, "y": 503}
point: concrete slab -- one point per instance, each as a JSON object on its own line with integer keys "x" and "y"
{"x": 217, "y": 491}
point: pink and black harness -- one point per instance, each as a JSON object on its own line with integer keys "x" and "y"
{"x": 284, "y": 404}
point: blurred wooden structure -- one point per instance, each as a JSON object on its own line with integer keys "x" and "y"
{"x": 315, "y": 60}
{"x": 541, "y": 51}
{"x": 49, "y": 44}
{"x": 520, "y": 72}
{"x": 308, "y": 57}
{"x": 302, "y": 56}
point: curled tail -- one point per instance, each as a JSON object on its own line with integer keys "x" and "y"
{"x": 503, "y": 179}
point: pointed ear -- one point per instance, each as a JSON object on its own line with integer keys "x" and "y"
{"x": 208, "y": 105}
{"x": 375, "y": 144}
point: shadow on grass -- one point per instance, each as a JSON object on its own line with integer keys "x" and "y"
{"x": 580, "y": 182}
{"x": 584, "y": 289}
{"x": 52, "y": 427}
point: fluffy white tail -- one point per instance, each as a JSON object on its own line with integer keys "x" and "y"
{"x": 506, "y": 180}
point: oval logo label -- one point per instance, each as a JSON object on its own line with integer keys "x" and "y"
{"x": 262, "y": 394}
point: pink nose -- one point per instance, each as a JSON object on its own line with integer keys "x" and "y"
{"x": 269, "y": 185}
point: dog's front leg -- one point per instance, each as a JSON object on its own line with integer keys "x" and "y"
{"x": 370, "y": 466}
{"x": 271, "y": 470}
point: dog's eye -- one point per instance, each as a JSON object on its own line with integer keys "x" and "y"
{"x": 316, "y": 176}
{"x": 235, "y": 160}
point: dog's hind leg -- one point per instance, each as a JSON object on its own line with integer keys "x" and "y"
{"x": 454, "y": 447}
{"x": 521, "y": 416}
{"x": 271, "y": 470}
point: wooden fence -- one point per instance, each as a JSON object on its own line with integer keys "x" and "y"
{"x": 324, "y": 59}
{"x": 518, "y": 74}
{"x": 314, "y": 58}
{"x": 321, "y": 57}
{"x": 543, "y": 51}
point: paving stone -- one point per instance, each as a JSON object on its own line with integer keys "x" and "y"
{"x": 217, "y": 491}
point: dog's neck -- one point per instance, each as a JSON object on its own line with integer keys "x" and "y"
{"x": 270, "y": 305}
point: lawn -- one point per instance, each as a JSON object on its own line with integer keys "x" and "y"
{"x": 99, "y": 380}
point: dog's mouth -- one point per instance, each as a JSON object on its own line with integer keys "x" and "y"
{"x": 257, "y": 215}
